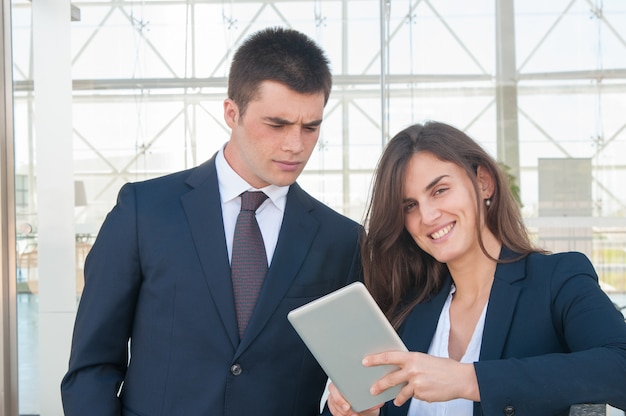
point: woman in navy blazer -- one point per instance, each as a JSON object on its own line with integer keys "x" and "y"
{"x": 494, "y": 325}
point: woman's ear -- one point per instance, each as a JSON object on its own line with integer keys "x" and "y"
{"x": 486, "y": 182}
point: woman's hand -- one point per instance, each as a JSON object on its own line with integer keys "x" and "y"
{"x": 338, "y": 405}
{"x": 427, "y": 378}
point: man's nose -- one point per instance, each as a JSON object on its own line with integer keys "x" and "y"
{"x": 293, "y": 140}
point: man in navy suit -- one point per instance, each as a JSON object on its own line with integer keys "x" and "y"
{"x": 156, "y": 330}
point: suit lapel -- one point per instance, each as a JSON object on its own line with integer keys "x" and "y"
{"x": 204, "y": 212}
{"x": 502, "y": 302}
{"x": 419, "y": 327}
{"x": 297, "y": 233}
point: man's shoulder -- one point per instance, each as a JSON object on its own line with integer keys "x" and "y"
{"x": 165, "y": 188}
{"x": 193, "y": 174}
{"x": 320, "y": 209}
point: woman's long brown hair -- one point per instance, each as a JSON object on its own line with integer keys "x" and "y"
{"x": 397, "y": 272}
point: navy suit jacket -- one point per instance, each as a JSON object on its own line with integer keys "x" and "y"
{"x": 551, "y": 338}
{"x": 159, "y": 276}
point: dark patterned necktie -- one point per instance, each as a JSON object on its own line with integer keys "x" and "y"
{"x": 249, "y": 259}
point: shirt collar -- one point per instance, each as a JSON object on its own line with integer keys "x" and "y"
{"x": 231, "y": 185}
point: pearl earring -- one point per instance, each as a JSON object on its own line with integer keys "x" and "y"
{"x": 488, "y": 202}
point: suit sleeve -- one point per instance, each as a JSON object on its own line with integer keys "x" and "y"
{"x": 356, "y": 268}
{"x": 99, "y": 354}
{"x": 592, "y": 371}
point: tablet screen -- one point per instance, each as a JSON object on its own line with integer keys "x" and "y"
{"x": 340, "y": 329}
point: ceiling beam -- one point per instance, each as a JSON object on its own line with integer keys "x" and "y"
{"x": 74, "y": 12}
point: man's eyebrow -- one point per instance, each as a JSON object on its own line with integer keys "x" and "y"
{"x": 313, "y": 123}
{"x": 278, "y": 120}
{"x": 282, "y": 121}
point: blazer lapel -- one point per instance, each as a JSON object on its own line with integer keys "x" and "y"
{"x": 203, "y": 208}
{"x": 417, "y": 332}
{"x": 420, "y": 326}
{"x": 297, "y": 233}
{"x": 502, "y": 302}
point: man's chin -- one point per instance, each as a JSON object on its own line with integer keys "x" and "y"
{"x": 284, "y": 180}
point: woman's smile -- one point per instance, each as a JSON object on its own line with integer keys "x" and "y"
{"x": 442, "y": 232}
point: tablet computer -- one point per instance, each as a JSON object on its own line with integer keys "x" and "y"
{"x": 340, "y": 329}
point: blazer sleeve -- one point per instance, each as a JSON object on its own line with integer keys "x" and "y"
{"x": 592, "y": 366}
{"x": 99, "y": 353}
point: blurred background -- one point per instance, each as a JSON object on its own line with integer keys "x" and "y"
{"x": 102, "y": 92}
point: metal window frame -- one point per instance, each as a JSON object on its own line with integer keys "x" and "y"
{"x": 8, "y": 313}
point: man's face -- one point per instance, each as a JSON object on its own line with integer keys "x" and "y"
{"x": 274, "y": 139}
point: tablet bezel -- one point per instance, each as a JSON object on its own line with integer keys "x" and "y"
{"x": 340, "y": 329}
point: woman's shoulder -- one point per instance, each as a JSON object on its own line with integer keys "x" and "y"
{"x": 562, "y": 265}
{"x": 564, "y": 258}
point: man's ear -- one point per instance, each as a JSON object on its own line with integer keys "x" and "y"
{"x": 486, "y": 182}
{"x": 231, "y": 113}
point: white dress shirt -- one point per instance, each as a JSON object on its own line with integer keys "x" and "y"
{"x": 439, "y": 348}
{"x": 269, "y": 215}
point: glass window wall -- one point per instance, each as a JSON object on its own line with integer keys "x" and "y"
{"x": 149, "y": 78}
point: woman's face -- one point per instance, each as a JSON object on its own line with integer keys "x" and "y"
{"x": 439, "y": 205}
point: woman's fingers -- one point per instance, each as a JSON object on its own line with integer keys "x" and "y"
{"x": 339, "y": 406}
{"x": 427, "y": 378}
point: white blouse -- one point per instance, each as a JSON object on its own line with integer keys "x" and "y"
{"x": 439, "y": 348}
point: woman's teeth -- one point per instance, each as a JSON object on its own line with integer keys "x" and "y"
{"x": 437, "y": 235}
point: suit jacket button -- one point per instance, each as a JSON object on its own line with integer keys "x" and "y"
{"x": 509, "y": 410}
{"x": 235, "y": 369}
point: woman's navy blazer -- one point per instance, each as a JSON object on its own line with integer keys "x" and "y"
{"x": 552, "y": 338}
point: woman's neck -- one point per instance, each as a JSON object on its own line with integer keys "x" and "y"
{"x": 473, "y": 278}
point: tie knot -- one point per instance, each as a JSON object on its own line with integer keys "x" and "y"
{"x": 250, "y": 201}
